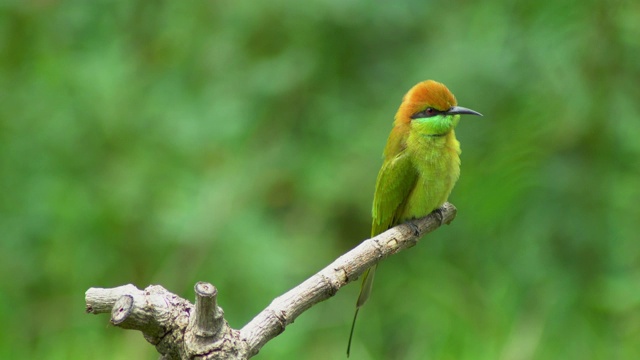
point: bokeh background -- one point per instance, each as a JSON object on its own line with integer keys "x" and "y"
{"x": 238, "y": 142}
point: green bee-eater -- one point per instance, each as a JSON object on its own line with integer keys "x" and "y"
{"x": 421, "y": 164}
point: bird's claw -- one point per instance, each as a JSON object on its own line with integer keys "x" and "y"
{"x": 414, "y": 228}
{"x": 440, "y": 214}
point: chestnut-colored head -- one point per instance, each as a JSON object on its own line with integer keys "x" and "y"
{"x": 422, "y": 96}
{"x": 429, "y": 110}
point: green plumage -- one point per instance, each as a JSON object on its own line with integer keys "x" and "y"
{"x": 413, "y": 182}
{"x": 421, "y": 164}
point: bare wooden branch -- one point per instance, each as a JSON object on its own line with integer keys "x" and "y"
{"x": 180, "y": 330}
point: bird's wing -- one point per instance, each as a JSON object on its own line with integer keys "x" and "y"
{"x": 396, "y": 180}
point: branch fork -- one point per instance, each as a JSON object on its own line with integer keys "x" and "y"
{"x": 182, "y": 330}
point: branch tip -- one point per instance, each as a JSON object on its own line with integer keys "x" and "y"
{"x": 121, "y": 309}
{"x": 205, "y": 289}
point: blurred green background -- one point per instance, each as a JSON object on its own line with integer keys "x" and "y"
{"x": 238, "y": 142}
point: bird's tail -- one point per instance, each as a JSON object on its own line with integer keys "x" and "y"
{"x": 367, "y": 284}
{"x": 365, "y": 291}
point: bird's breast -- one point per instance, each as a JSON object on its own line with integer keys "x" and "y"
{"x": 437, "y": 161}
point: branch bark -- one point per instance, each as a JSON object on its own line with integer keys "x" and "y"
{"x": 181, "y": 330}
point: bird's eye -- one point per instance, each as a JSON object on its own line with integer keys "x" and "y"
{"x": 428, "y": 112}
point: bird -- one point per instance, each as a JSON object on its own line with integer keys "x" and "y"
{"x": 421, "y": 164}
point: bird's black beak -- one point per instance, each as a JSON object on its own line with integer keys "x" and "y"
{"x": 462, "y": 111}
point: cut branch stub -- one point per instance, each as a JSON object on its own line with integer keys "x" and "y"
{"x": 208, "y": 334}
{"x": 208, "y": 317}
{"x": 121, "y": 309}
{"x": 134, "y": 309}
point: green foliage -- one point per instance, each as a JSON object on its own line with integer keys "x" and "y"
{"x": 238, "y": 142}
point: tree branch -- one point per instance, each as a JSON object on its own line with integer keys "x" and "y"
{"x": 181, "y": 330}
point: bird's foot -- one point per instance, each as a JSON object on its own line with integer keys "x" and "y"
{"x": 440, "y": 214}
{"x": 414, "y": 228}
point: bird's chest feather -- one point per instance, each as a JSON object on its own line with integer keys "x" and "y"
{"x": 437, "y": 161}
